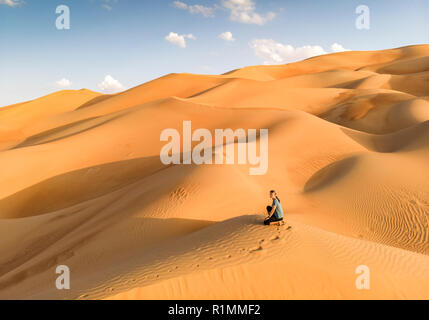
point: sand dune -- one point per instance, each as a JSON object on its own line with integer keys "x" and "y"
{"x": 349, "y": 147}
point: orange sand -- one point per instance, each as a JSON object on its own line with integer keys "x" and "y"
{"x": 82, "y": 185}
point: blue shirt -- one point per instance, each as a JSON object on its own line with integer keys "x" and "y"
{"x": 279, "y": 210}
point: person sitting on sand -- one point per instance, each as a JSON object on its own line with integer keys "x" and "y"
{"x": 275, "y": 211}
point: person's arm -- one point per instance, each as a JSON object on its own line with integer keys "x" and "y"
{"x": 272, "y": 211}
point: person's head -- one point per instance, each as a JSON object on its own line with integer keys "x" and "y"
{"x": 273, "y": 195}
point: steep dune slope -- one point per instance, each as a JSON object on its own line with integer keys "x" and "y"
{"x": 15, "y": 120}
{"x": 84, "y": 186}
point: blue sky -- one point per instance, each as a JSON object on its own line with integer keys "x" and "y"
{"x": 134, "y": 41}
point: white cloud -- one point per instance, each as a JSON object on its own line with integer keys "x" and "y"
{"x": 179, "y": 40}
{"x": 244, "y": 11}
{"x": 110, "y": 85}
{"x": 180, "y": 5}
{"x": 11, "y": 3}
{"x": 336, "y": 47}
{"x": 63, "y": 83}
{"x": 108, "y": 4}
{"x": 107, "y": 7}
{"x": 195, "y": 9}
{"x": 272, "y": 52}
{"x": 227, "y": 36}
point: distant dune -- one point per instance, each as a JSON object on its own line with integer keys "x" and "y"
{"x": 82, "y": 185}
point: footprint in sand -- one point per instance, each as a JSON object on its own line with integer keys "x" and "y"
{"x": 180, "y": 194}
{"x": 257, "y": 250}
{"x": 275, "y": 238}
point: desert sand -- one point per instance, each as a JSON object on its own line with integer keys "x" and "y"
{"x": 82, "y": 185}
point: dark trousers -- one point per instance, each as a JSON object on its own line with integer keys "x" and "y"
{"x": 273, "y": 217}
